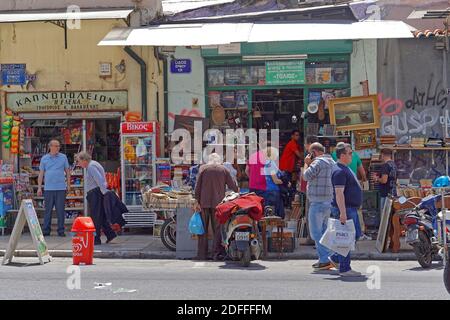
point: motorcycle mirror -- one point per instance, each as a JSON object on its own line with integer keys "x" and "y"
{"x": 402, "y": 200}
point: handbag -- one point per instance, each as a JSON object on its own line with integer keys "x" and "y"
{"x": 196, "y": 224}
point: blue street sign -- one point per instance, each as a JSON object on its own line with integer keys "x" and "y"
{"x": 13, "y": 74}
{"x": 180, "y": 66}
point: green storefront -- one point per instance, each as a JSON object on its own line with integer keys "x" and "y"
{"x": 278, "y": 80}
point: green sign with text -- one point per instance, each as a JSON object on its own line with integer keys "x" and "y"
{"x": 285, "y": 72}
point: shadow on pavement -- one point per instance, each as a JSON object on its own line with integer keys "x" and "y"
{"x": 362, "y": 278}
{"x": 433, "y": 267}
{"x": 22, "y": 264}
{"x": 235, "y": 265}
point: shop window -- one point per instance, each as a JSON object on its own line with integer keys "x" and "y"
{"x": 236, "y": 76}
{"x": 327, "y": 72}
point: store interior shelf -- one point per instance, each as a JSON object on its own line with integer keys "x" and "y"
{"x": 65, "y": 209}
{"x": 344, "y": 136}
{"x": 67, "y": 198}
{"x": 417, "y": 148}
{"x": 72, "y": 186}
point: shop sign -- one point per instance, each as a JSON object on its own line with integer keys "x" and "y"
{"x": 67, "y": 101}
{"x": 285, "y": 72}
{"x": 13, "y": 74}
{"x": 232, "y": 48}
{"x": 180, "y": 66}
{"x": 137, "y": 127}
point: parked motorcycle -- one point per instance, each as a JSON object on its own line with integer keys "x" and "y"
{"x": 423, "y": 231}
{"x": 241, "y": 238}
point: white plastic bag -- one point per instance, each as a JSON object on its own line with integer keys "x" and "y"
{"x": 339, "y": 237}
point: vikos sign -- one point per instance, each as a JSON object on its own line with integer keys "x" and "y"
{"x": 137, "y": 127}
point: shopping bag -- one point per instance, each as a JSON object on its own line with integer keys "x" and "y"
{"x": 339, "y": 237}
{"x": 196, "y": 224}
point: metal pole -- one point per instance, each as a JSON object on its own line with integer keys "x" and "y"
{"x": 444, "y": 226}
{"x": 85, "y": 213}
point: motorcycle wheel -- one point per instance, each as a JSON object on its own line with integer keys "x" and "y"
{"x": 168, "y": 234}
{"x": 423, "y": 251}
{"x": 447, "y": 276}
{"x": 246, "y": 257}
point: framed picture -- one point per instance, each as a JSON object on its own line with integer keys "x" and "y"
{"x": 384, "y": 225}
{"x": 355, "y": 113}
{"x": 365, "y": 139}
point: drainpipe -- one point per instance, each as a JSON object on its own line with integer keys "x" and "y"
{"x": 141, "y": 62}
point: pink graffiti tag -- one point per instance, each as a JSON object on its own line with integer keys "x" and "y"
{"x": 186, "y": 112}
{"x": 395, "y": 106}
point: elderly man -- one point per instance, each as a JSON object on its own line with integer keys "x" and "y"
{"x": 51, "y": 169}
{"x": 318, "y": 170}
{"x": 95, "y": 181}
{"x": 212, "y": 181}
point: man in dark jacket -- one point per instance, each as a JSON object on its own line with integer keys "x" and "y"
{"x": 114, "y": 208}
{"x": 212, "y": 180}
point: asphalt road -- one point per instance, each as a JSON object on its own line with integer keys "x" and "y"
{"x": 177, "y": 279}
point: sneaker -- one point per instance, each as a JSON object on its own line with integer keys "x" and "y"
{"x": 61, "y": 234}
{"x": 334, "y": 264}
{"x": 97, "y": 242}
{"x": 364, "y": 237}
{"x": 46, "y": 234}
{"x": 316, "y": 265}
{"x": 350, "y": 273}
{"x": 324, "y": 266}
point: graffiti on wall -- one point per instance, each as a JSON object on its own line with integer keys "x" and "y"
{"x": 422, "y": 113}
{"x": 420, "y": 165}
{"x": 187, "y": 112}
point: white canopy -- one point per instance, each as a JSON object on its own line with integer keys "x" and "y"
{"x": 225, "y": 33}
{"x": 53, "y": 16}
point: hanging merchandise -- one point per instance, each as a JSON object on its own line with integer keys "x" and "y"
{"x": 321, "y": 110}
{"x": 2, "y": 211}
{"x": 21, "y": 141}
{"x": 6, "y": 130}
{"x": 15, "y": 132}
{"x": 141, "y": 148}
{"x": 129, "y": 152}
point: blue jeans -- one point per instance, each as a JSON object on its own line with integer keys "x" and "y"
{"x": 318, "y": 215}
{"x": 55, "y": 199}
{"x": 259, "y": 193}
{"x": 273, "y": 198}
{"x": 352, "y": 213}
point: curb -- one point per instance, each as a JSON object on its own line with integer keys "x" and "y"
{"x": 99, "y": 254}
{"x": 405, "y": 256}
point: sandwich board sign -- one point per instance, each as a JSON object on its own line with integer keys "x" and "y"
{"x": 27, "y": 214}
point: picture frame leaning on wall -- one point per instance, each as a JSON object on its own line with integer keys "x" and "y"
{"x": 355, "y": 113}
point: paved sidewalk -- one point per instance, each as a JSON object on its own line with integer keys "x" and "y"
{"x": 145, "y": 246}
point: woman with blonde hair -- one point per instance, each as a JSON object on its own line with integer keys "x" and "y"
{"x": 272, "y": 195}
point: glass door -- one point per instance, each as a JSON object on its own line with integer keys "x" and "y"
{"x": 138, "y": 152}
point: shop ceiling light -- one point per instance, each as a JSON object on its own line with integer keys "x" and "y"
{"x": 278, "y": 57}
